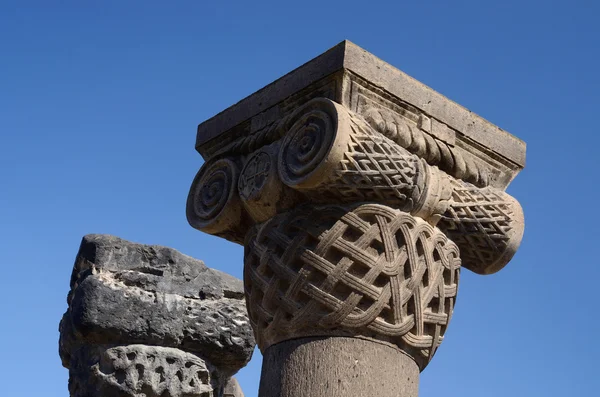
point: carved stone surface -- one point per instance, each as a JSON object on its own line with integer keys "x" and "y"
{"x": 354, "y": 163}
{"x": 331, "y": 155}
{"x": 487, "y": 225}
{"x": 372, "y": 272}
{"x": 140, "y": 370}
{"x": 319, "y": 262}
{"x": 358, "y": 193}
{"x": 133, "y": 308}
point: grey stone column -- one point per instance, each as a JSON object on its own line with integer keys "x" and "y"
{"x": 149, "y": 321}
{"x": 350, "y": 367}
{"x": 358, "y": 194}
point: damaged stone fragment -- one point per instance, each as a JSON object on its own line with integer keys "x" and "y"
{"x": 149, "y": 321}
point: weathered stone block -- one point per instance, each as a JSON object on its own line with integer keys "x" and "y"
{"x": 131, "y": 301}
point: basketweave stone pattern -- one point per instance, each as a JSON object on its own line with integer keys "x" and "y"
{"x": 356, "y": 204}
{"x": 372, "y": 272}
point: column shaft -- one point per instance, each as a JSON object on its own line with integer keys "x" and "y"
{"x": 337, "y": 367}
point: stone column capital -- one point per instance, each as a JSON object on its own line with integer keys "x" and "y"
{"x": 358, "y": 194}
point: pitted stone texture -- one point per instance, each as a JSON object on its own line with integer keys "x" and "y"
{"x": 140, "y": 371}
{"x": 125, "y": 293}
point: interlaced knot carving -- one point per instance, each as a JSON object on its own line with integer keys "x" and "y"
{"x": 255, "y": 175}
{"x": 372, "y": 272}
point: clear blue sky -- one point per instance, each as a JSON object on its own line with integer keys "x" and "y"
{"x": 99, "y": 102}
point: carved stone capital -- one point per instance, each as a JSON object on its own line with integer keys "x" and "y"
{"x": 358, "y": 195}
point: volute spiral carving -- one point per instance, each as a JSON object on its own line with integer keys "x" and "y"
{"x": 213, "y": 204}
{"x": 307, "y": 144}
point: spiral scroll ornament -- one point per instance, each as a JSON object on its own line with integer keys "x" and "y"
{"x": 309, "y": 143}
{"x": 373, "y": 169}
{"x": 352, "y": 163}
{"x": 213, "y": 205}
{"x": 372, "y": 272}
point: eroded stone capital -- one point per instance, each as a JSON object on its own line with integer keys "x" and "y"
{"x": 149, "y": 321}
